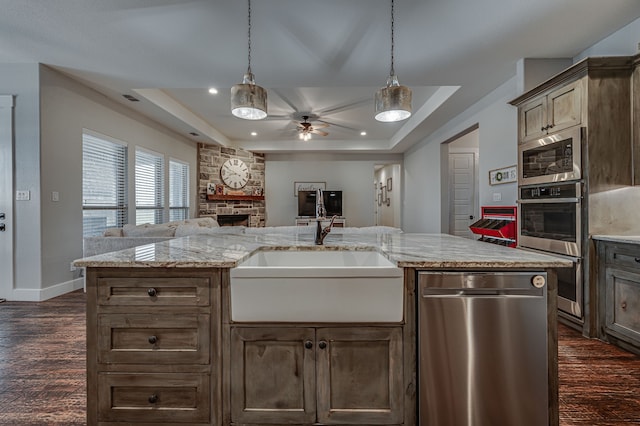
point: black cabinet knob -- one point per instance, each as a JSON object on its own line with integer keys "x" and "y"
{"x": 152, "y": 292}
{"x": 153, "y": 399}
{"x": 322, "y": 344}
{"x": 637, "y": 259}
{"x": 308, "y": 344}
{"x": 153, "y": 340}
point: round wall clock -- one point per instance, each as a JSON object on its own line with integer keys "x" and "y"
{"x": 234, "y": 173}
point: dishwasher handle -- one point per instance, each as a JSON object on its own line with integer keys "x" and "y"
{"x": 479, "y": 292}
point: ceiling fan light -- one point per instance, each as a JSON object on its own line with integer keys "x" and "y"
{"x": 393, "y": 103}
{"x": 248, "y": 100}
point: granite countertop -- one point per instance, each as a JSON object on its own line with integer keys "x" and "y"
{"x": 629, "y": 239}
{"x": 405, "y": 249}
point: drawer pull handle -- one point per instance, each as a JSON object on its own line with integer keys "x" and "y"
{"x": 153, "y": 340}
{"x": 308, "y": 344}
{"x": 637, "y": 259}
{"x": 623, "y": 305}
{"x": 152, "y": 292}
{"x": 153, "y": 399}
{"x": 322, "y": 344}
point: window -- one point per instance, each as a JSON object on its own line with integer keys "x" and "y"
{"x": 104, "y": 184}
{"x": 178, "y": 190}
{"x": 149, "y": 187}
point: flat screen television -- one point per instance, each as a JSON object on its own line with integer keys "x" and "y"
{"x": 307, "y": 203}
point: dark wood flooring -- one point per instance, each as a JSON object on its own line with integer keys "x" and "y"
{"x": 42, "y": 370}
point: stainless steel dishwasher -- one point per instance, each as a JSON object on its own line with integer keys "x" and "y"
{"x": 482, "y": 348}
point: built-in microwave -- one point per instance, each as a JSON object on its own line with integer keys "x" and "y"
{"x": 554, "y": 158}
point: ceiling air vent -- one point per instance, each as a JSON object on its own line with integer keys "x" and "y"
{"x": 131, "y": 98}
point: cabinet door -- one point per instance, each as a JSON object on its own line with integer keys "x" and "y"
{"x": 532, "y": 118}
{"x": 564, "y": 107}
{"x": 622, "y": 305}
{"x": 273, "y": 375}
{"x": 359, "y": 373}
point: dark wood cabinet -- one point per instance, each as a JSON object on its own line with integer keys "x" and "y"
{"x": 153, "y": 339}
{"x": 324, "y": 375}
{"x": 619, "y": 294}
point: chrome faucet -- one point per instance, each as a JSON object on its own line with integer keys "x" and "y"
{"x": 320, "y": 216}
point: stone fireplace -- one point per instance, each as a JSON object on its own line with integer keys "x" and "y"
{"x": 236, "y": 203}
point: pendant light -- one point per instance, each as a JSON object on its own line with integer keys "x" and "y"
{"x": 393, "y": 102}
{"x": 249, "y": 101}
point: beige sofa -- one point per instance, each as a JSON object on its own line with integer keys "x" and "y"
{"x": 114, "y": 239}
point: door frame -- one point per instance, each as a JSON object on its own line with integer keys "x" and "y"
{"x": 445, "y": 149}
{"x": 6, "y": 196}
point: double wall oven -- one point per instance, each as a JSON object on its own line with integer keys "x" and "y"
{"x": 550, "y": 195}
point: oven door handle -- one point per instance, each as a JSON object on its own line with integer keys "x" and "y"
{"x": 549, "y": 200}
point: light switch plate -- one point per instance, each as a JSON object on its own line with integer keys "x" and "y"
{"x": 55, "y": 196}
{"x": 497, "y": 196}
{"x": 23, "y": 195}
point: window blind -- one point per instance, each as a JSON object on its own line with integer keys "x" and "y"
{"x": 178, "y": 190}
{"x": 149, "y": 178}
{"x": 104, "y": 184}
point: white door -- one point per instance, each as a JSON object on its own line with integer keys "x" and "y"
{"x": 462, "y": 190}
{"x": 6, "y": 196}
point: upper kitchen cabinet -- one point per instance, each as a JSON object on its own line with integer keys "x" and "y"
{"x": 559, "y": 109}
{"x": 635, "y": 96}
{"x": 594, "y": 94}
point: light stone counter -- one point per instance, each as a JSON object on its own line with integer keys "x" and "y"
{"x": 405, "y": 249}
{"x": 628, "y": 239}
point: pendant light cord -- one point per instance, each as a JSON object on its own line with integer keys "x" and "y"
{"x": 249, "y": 38}
{"x": 392, "y": 73}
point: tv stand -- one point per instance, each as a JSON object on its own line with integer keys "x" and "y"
{"x": 340, "y": 221}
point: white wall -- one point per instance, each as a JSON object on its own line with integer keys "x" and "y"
{"x": 389, "y": 215}
{"x": 621, "y": 43}
{"x": 497, "y": 133}
{"x": 21, "y": 80}
{"x": 51, "y": 111}
{"x": 352, "y": 174}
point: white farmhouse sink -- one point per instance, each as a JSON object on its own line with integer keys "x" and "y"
{"x": 317, "y": 286}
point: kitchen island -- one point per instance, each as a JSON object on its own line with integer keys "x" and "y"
{"x": 162, "y": 347}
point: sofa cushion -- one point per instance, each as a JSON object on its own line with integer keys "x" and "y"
{"x": 207, "y": 222}
{"x": 112, "y": 232}
{"x": 148, "y": 230}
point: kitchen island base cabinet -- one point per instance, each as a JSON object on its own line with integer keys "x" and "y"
{"x": 333, "y": 375}
{"x": 153, "y": 346}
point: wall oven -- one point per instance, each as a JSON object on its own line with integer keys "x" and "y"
{"x": 554, "y": 158}
{"x": 550, "y": 220}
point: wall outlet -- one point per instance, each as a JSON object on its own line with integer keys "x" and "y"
{"x": 72, "y": 267}
{"x": 497, "y": 196}
{"x": 24, "y": 195}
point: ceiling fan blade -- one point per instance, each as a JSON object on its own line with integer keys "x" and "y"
{"x": 321, "y": 125}
{"x": 331, "y": 123}
{"x": 319, "y": 132}
{"x": 339, "y": 108}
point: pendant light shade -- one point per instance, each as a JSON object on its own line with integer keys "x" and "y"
{"x": 393, "y": 102}
{"x": 248, "y": 100}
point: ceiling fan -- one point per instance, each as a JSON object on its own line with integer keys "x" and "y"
{"x": 305, "y": 128}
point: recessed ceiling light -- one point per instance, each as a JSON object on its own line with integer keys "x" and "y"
{"x": 213, "y": 90}
{"x": 363, "y": 133}
{"x": 254, "y": 134}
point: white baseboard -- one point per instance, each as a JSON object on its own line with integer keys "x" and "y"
{"x": 42, "y": 294}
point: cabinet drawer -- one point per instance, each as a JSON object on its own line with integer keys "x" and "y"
{"x": 623, "y": 303}
{"x": 628, "y": 257}
{"x": 170, "y": 291}
{"x": 154, "y": 339}
{"x": 154, "y": 398}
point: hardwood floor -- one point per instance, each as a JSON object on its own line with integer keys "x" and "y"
{"x": 42, "y": 370}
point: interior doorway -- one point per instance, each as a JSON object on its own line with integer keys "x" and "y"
{"x": 460, "y": 183}
{"x": 6, "y": 196}
{"x": 387, "y": 199}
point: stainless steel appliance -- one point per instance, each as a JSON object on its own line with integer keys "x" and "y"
{"x": 482, "y": 348}
{"x": 554, "y": 158}
{"x": 551, "y": 220}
